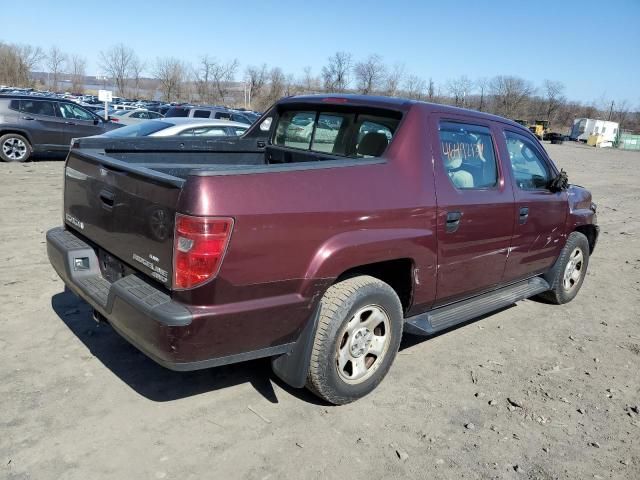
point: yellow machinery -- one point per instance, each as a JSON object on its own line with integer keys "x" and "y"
{"x": 540, "y": 128}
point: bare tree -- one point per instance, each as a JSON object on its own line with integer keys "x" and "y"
{"x": 431, "y": 91}
{"x": 482, "y": 85}
{"x": 415, "y": 87}
{"x": 116, "y": 62}
{"x": 554, "y": 97}
{"x": 137, "y": 68}
{"x": 369, "y": 74}
{"x": 78, "y": 68}
{"x": 277, "y": 87}
{"x": 309, "y": 82}
{"x": 256, "y": 77}
{"x": 335, "y": 74}
{"x": 56, "y": 63}
{"x": 171, "y": 73}
{"x": 621, "y": 113}
{"x": 510, "y": 94}
{"x": 203, "y": 79}
{"x": 394, "y": 79}
{"x": 222, "y": 74}
{"x": 458, "y": 89}
{"x": 17, "y": 62}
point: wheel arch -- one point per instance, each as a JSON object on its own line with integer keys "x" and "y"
{"x": 17, "y": 131}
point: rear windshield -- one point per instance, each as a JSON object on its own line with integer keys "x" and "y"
{"x": 139, "y": 129}
{"x": 354, "y": 133}
{"x": 177, "y": 112}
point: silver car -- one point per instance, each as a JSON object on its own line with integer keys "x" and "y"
{"x": 130, "y": 117}
{"x": 178, "y": 126}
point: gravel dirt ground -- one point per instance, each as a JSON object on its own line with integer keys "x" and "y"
{"x": 534, "y": 391}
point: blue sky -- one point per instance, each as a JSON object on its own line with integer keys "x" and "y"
{"x": 592, "y": 47}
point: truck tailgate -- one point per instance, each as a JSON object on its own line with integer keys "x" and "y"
{"x": 126, "y": 210}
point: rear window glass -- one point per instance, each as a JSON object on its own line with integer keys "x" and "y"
{"x": 139, "y": 129}
{"x": 345, "y": 133}
{"x": 177, "y": 112}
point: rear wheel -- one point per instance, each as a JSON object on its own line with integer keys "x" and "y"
{"x": 356, "y": 341}
{"x": 14, "y": 148}
{"x": 567, "y": 275}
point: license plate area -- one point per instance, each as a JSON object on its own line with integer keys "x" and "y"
{"x": 111, "y": 268}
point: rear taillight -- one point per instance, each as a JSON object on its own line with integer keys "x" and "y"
{"x": 199, "y": 245}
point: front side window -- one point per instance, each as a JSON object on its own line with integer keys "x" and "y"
{"x": 529, "y": 168}
{"x": 68, "y": 110}
{"x": 38, "y": 107}
{"x": 468, "y": 155}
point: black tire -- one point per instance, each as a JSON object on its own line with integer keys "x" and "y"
{"x": 562, "y": 291}
{"x": 14, "y": 148}
{"x": 339, "y": 330}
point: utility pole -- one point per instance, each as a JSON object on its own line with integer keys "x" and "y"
{"x": 610, "y": 111}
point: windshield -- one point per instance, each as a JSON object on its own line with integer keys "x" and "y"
{"x": 139, "y": 129}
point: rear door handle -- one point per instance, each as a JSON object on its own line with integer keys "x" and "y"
{"x": 453, "y": 221}
{"x": 69, "y": 123}
{"x": 28, "y": 118}
{"x": 524, "y": 215}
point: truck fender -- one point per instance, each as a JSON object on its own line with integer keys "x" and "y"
{"x": 361, "y": 247}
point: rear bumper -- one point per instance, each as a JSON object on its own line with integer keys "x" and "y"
{"x": 165, "y": 330}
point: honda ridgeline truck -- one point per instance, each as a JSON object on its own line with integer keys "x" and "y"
{"x": 333, "y": 225}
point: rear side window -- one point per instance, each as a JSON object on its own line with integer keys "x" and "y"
{"x": 177, "y": 112}
{"x": 468, "y": 155}
{"x": 38, "y": 107}
{"x": 222, "y": 115}
{"x": 350, "y": 133}
{"x": 201, "y": 113}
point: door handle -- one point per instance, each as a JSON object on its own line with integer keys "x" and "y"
{"x": 453, "y": 221}
{"x": 524, "y": 215}
{"x": 108, "y": 199}
{"x": 28, "y": 118}
{"x": 69, "y": 123}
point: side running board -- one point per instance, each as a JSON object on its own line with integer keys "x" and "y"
{"x": 445, "y": 317}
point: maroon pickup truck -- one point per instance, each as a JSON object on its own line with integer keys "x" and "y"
{"x": 333, "y": 225}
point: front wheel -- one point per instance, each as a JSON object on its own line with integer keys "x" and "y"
{"x": 567, "y": 275}
{"x": 14, "y": 148}
{"x": 356, "y": 341}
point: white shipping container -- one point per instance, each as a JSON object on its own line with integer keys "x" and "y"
{"x": 584, "y": 127}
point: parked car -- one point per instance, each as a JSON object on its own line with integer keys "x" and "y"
{"x": 169, "y": 127}
{"x": 556, "y": 138}
{"x": 268, "y": 245}
{"x": 130, "y": 117}
{"x": 219, "y": 113}
{"x": 38, "y": 124}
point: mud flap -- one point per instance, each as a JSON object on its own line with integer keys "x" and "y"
{"x": 293, "y": 367}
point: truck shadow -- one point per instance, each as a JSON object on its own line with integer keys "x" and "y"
{"x": 151, "y": 380}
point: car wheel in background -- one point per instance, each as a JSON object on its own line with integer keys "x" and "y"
{"x": 14, "y": 148}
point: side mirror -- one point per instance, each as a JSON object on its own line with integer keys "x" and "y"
{"x": 96, "y": 121}
{"x": 560, "y": 182}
